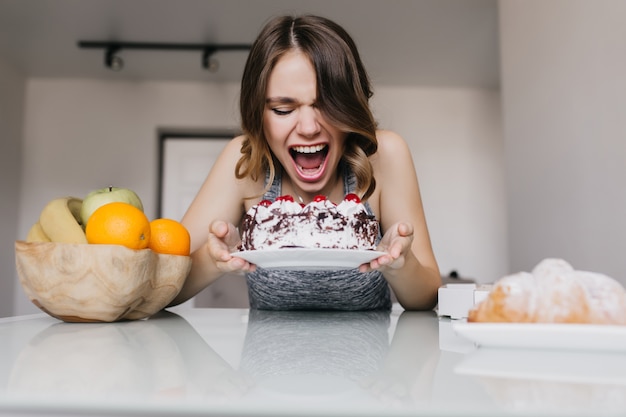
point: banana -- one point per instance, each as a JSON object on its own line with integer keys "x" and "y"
{"x": 60, "y": 220}
{"x": 36, "y": 234}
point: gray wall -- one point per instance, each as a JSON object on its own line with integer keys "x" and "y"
{"x": 11, "y": 117}
{"x": 564, "y": 103}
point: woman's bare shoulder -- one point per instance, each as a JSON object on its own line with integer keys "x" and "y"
{"x": 392, "y": 149}
{"x": 248, "y": 189}
{"x": 390, "y": 141}
{"x": 233, "y": 147}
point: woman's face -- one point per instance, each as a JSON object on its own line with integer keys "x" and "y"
{"x": 306, "y": 144}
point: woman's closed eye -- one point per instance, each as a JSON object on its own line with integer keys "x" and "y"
{"x": 281, "y": 112}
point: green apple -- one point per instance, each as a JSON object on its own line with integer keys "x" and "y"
{"x": 102, "y": 196}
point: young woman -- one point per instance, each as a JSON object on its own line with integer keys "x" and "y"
{"x": 308, "y": 130}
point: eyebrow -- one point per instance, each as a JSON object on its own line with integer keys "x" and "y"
{"x": 281, "y": 100}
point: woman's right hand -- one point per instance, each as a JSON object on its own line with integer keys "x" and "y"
{"x": 223, "y": 240}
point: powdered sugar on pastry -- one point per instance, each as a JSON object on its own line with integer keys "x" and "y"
{"x": 607, "y": 298}
{"x": 554, "y": 293}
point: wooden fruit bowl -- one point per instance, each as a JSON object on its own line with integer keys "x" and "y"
{"x": 98, "y": 283}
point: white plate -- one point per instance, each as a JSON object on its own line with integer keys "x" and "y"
{"x": 299, "y": 259}
{"x": 545, "y": 336}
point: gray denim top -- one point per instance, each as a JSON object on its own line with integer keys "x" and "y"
{"x": 346, "y": 289}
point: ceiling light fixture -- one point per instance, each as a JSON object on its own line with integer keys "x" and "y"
{"x": 113, "y": 61}
{"x": 208, "y": 61}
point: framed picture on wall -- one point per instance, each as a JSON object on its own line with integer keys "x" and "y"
{"x": 185, "y": 158}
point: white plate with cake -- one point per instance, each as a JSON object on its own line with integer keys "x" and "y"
{"x": 300, "y": 259}
{"x": 320, "y": 235}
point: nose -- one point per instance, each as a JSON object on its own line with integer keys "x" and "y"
{"x": 308, "y": 122}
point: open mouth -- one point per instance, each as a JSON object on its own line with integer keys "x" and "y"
{"x": 309, "y": 160}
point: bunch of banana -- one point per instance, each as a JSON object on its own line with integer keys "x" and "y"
{"x": 59, "y": 221}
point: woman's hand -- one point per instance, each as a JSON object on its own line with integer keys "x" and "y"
{"x": 224, "y": 240}
{"x": 397, "y": 244}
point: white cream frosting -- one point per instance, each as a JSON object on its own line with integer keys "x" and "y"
{"x": 319, "y": 224}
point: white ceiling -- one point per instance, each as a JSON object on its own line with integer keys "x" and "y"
{"x": 403, "y": 42}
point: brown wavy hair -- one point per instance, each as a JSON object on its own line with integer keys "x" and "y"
{"x": 343, "y": 93}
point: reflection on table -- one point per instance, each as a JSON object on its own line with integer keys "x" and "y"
{"x": 329, "y": 355}
{"x": 121, "y": 360}
{"x": 252, "y": 362}
{"x": 297, "y": 357}
{"x": 555, "y": 380}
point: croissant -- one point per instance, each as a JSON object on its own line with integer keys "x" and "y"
{"x": 554, "y": 292}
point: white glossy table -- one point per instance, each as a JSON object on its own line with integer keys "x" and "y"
{"x": 232, "y": 362}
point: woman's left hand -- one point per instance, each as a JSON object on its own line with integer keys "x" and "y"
{"x": 397, "y": 244}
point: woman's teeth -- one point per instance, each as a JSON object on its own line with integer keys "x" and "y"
{"x": 308, "y": 149}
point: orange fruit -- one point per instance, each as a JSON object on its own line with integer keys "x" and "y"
{"x": 119, "y": 224}
{"x": 170, "y": 237}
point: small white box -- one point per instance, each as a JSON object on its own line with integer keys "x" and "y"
{"x": 455, "y": 300}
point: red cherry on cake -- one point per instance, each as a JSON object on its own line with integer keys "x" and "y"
{"x": 265, "y": 203}
{"x": 352, "y": 197}
{"x": 319, "y": 198}
{"x": 285, "y": 197}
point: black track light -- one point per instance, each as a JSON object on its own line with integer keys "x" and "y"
{"x": 114, "y": 61}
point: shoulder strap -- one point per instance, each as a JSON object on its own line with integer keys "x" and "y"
{"x": 349, "y": 184}
{"x": 275, "y": 189}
